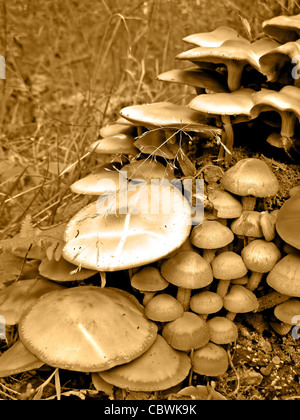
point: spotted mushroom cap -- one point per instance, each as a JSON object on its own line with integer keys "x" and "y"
{"x": 86, "y": 329}
{"x": 135, "y": 227}
{"x": 159, "y": 368}
{"x": 283, "y": 28}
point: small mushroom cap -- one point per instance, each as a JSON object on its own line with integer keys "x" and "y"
{"x": 283, "y": 28}
{"x": 210, "y": 360}
{"x": 62, "y": 271}
{"x": 206, "y": 302}
{"x": 214, "y": 38}
{"x": 133, "y": 228}
{"x": 250, "y": 176}
{"x": 240, "y": 300}
{"x": 163, "y": 308}
{"x": 86, "y": 329}
{"x": 274, "y": 61}
{"x": 149, "y": 279}
{"x": 228, "y": 265}
{"x": 222, "y": 330}
{"x": 288, "y": 312}
{"x": 260, "y": 256}
{"x": 167, "y": 114}
{"x": 288, "y": 221}
{"x": 198, "y": 392}
{"x": 99, "y": 183}
{"x": 17, "y": 359}
{"x": 159, "y": 368}
{"x": 248, "y": 224}
{"x": 225, "y": 204}
{"x": 154, "y": 143}
{"x": 186, "y": 332}
{"x": 238, "y": 102}
{"x": 196, "y": 77}
{"x": 211, "y": 234}
{"x": 120, "y": 143}
{"x": 146, "y": 170}
{"x": 187, "y": 269}
{"x": 17, "y": 297}
{"x": 285, "y": 276}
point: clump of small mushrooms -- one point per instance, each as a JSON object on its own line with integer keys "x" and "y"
{"x": 182, "y": 283}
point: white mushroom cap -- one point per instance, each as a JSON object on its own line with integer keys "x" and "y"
{"x": 135, "y": 227}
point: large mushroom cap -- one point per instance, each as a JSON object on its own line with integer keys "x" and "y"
{"x": 285, "y": 276}
{"x": 273, "y": 62}
{"x": 238, "y": 102}
{"x": 288, "y": 312}
{"x": 167, "y": 114}
{"x": 133, "y": 228}
{"x": 214, "y": 38}
{"x": 86, "y": 329}
{"x": 199, "y": 78}
{"x": 283, "y": 28}
{"x": 160, "y": 367}
{"x": 288, "y": 221}
{"x": 250, "y": 176}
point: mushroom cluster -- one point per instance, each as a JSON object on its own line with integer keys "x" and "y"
{"x": 183, "y": 282}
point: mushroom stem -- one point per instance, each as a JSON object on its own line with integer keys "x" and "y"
{"x": 229, "y": 138}
{"x": 288, "y": 121}
{"x": 183, "y": 296}
{"x": 234, "y": 74}
{"x": 254, "y": 281}
{"x": 248, "y": 203}
{"x": 209, "y": 254}
{"x": 223, "y": 287}
{"x": 231, "y": 315}
{"x": 147, "y": 297}
{"x": 103, "y": 278}
{"x": 270, "y": 300}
